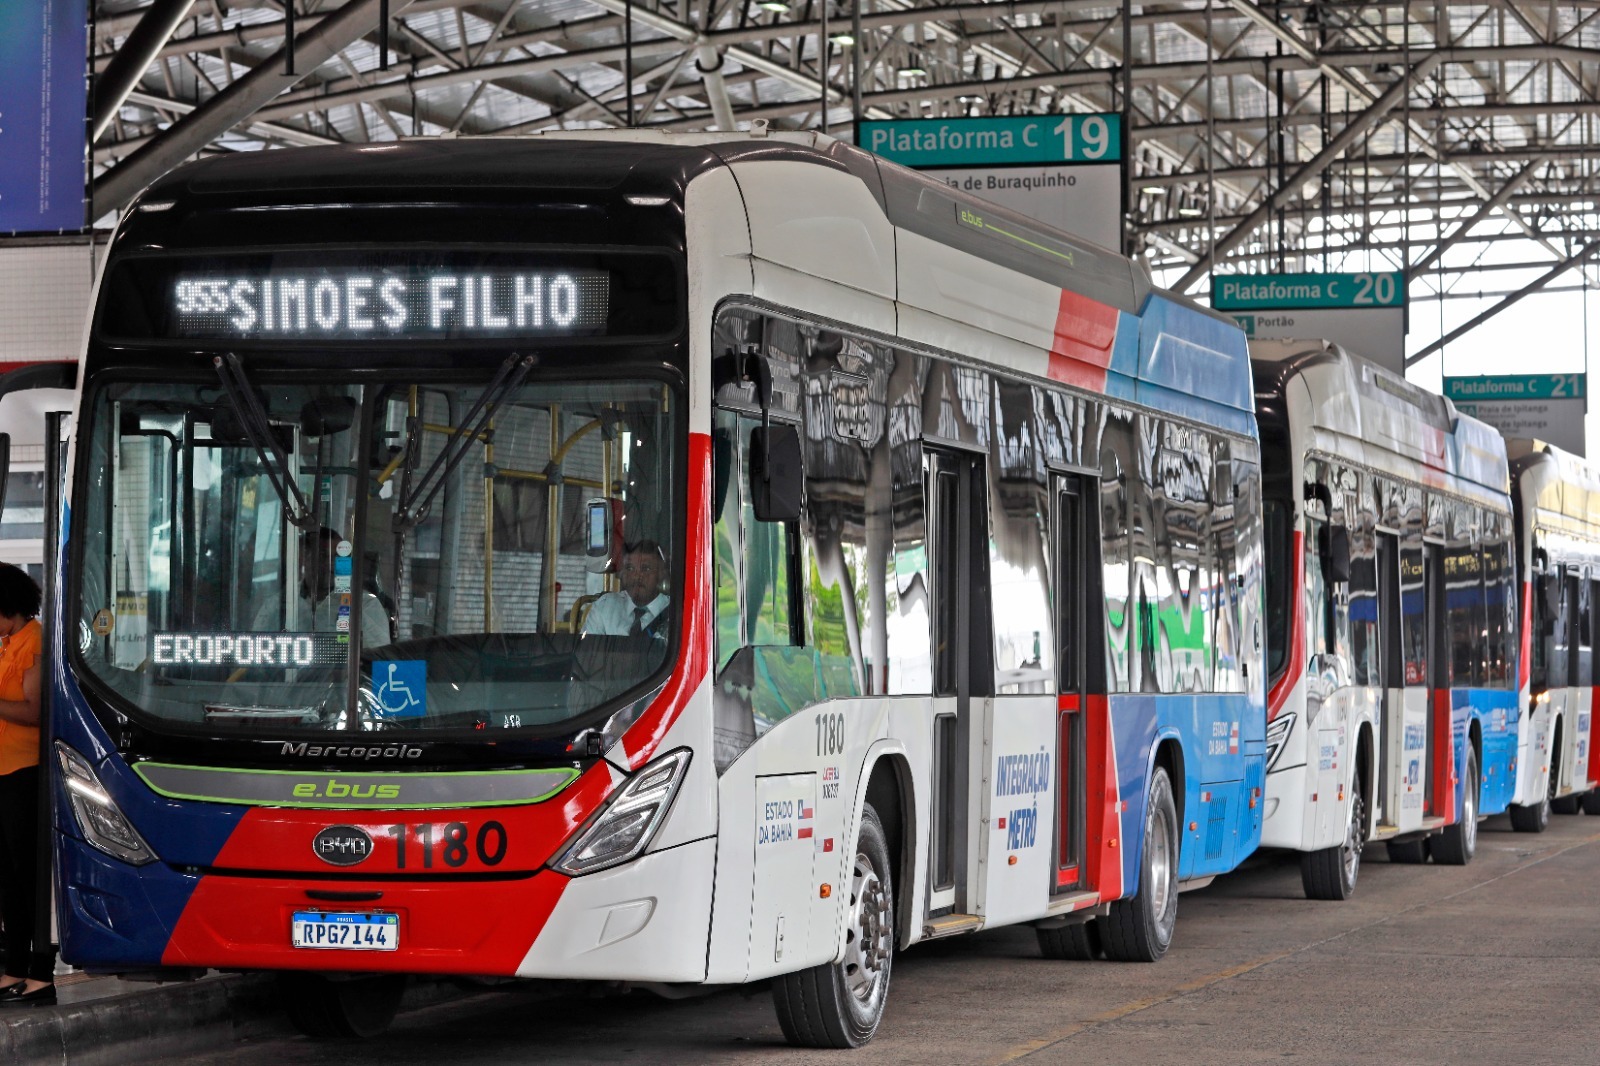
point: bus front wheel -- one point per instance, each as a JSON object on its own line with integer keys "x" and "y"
{"x": 839, "y": 1004}
{"x": 1140, "y": 929}
{"x": 326, "y": 1009}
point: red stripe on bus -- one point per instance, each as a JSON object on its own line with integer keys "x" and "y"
{"x": 1594, "y": 731}
{"x": 1067, "y": 702}
{"x": 644, "y": 736}
{"x": 481, "y": 927}
{"x": 1525, "y": 646}
{"x": 1104, "y": 852}
{"x": 1296, "y": 663}
{"x": 1085, "y": 334}
{"x": 1444, "y": 763}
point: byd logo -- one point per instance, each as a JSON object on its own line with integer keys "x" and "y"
{"x": 342, "y": 845}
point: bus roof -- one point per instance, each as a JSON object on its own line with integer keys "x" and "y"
{"x": 1171, "y": 353}
{"x": 1373, "y": 415}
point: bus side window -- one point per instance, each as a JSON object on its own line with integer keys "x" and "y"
{"x": 762, "y": 674}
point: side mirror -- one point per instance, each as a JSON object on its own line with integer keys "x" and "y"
{"x": 1335, "y": 552}
{"x": 777, "y": 473}
{"x": 5, "y": 468}
{"x": 597, "y": 546}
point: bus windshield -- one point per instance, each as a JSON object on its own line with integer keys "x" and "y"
{"x": 295, "y": 555}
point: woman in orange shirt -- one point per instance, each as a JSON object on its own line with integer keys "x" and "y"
{"x": 29, "y": 955}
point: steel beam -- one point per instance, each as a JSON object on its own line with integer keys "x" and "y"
{"x": 236, "y": 103}
{"x": 112, "y": 87}
{"x": 1490, "y": 206}
{"x": 1357, "y": 127}
{"x": 1575, "y": 259}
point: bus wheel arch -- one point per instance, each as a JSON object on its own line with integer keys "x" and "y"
{"x": 1364, "y": 777}
{"x": 1169, "y": 757}
{"x": 1535, "y": 817}
{"x": 891, "y": 794}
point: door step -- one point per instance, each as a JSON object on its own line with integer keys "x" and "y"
{"x": 1432, "y": 822}
{"x": 1074, "y": 901}
{"x": 1384, "y": 832}
{"x": 1194, "y": 883}
{"x": 950, "y": 925}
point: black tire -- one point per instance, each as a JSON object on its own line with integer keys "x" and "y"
{"x": 1331, "y": 872}
{"x": 1079, "y": 942}
{"x": 1567, "y": 805}
{"x": 1140, "y": 929}
{"x": 1408, "y": 852}
{"x": 340, "y": 1010}
{"x": 1459, "y": 842}
{"x": 839, "y": 1004}
{"x": 1590, "y": 802}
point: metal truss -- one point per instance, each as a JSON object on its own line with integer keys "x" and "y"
{"x": 1306, "y": 135}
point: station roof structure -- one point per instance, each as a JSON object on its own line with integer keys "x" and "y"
{"x": 1308, "y": 135}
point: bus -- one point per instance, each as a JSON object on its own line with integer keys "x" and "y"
{"x": 1557, "y": 498}
{"x": 1391, "y": 705}
{"x": 672, "y": 559}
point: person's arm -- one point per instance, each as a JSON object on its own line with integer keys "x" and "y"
{"x": 26, "y": 710}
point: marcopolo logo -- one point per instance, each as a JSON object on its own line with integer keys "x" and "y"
{"x": 342, "y": 845}
{"x": 333, "y": 788}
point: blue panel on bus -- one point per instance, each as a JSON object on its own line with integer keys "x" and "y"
{"x": 1125, "y": 349}
{"x": 1199, "y": 410}
{"x": 1187, "y": 350}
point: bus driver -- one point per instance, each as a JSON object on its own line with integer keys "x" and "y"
{"x": 639, "y": 607}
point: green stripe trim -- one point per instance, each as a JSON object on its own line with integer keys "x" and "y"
{"x": 357, "y": 790}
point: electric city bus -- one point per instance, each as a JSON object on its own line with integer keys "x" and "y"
{"x": 677, "y": 560}
{"x": 1391, "y": 708}
{"x": 1557, "y": 498}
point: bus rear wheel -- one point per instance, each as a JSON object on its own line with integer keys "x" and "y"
{"x": 326, "y": 1009}
{"x": 1140, "y": 929}
{"x": 839, "y": 1004}
{"x": 1591, "y": 802}
{"x": 1410, "y": 852}
{"x": 1331, "y": 873}
{"x": 1458, "y": 843}
{"x": 1074, "y": 943}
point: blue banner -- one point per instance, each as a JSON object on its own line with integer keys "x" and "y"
{"x": 42, "y": 104}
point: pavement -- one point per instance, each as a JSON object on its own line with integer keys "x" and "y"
{"x": 1495, "y": 962}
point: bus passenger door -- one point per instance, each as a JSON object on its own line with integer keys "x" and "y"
{"x": 1401, "y": 720}
{"x": 1076, "y": 604}
{"x": 1439, "y": 762}
{"x": 963, "y": 671}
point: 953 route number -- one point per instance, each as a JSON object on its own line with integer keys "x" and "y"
{"x": 423, "y": 845}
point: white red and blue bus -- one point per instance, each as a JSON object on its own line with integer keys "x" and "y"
{"x": 959, "y": 522}
{"x": 1392, "y": 706}
{"x": 1557, "y": 497}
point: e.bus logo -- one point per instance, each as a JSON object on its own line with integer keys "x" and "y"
{"x": 335, "y": 789}
{"x": 342, "y": 845}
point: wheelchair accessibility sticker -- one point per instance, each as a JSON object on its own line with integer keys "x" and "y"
{"x": 399, "y": 688}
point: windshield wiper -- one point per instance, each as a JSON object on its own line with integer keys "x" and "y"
{"x": 258, "y": 429}
{"x": 415, "y": 500}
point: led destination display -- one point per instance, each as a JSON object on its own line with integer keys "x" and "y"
{"x": 357, "y": 304}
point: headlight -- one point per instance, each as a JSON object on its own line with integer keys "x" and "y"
{"x": 630, "y": 820}
{"x": 103, "y": 824}
{"x": 1278, "y": 731}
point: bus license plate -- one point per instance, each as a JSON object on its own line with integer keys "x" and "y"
{"x": 350, "y": 931}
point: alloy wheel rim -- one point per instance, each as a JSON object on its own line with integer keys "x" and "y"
{"x": 1469, "y": 813}
{"x": 1160, "y": 845}
{"x": 1352, "y": 842}
{"x": 869, "y": 939}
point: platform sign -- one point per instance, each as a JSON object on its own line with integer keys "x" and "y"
{"x": 1547, "y": 407}
{"x": 1062, "y": 170}
{"x": 42, "y": 101}
{"x": 1364, "y": 312}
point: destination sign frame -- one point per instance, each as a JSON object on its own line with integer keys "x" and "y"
{"x": 1000, "y": 140}
{"x": 1361, "y": 290}
{"x": 609, "y": 295}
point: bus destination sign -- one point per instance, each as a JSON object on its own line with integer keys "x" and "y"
{"x": 366, "y": 304}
